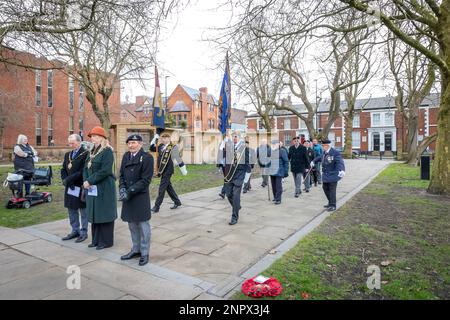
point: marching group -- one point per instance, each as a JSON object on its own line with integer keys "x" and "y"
{"x": 90, "y": 184}
{"x": 309, "y": 161}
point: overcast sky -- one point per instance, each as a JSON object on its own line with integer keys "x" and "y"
{"x": 183, "y": 54}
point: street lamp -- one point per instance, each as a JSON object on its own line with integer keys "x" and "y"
{"x": 317, "y": 107}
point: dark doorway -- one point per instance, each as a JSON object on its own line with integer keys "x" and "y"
{"x": 388, "y": 141}
{"x": 376, "y": 141}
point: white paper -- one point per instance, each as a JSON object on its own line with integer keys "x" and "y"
{"x": 260, "y": 279}
{"x": 35, "y": 159}
{"x": 92, "y": 191}
{"x": 75, "y": 192}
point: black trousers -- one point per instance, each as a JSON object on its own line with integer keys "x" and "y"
{"x": 164, "y": 186}
{"x": 103, "y": 234}
{"x": 330, "y": 191}
{"x": 233, "y": 192}
{"x": 277, "y": 187}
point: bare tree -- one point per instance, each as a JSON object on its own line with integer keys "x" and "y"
{"x": 414, "y": 76}
{"x": 405, "y": 19}
{"x": 22, "y": 22}
{"x": 120, "y": 45}
{"x": 254, "y": 77}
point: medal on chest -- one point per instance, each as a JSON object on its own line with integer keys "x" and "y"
{"x": 69, "y": 165}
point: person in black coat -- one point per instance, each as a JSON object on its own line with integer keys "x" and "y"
{"x": 308, "y": 177}
{"x": 72, "y": 179}
{"x": 237, "y": 172}
{"x": 252, "y": 161}
{"x": 299, "y": 163}
{"x": 136, "y": 172}
{"x": 166, "y": 153}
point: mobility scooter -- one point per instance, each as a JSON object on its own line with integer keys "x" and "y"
{"x": 16, "y": 182}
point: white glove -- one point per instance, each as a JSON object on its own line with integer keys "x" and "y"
{"x": 156, "y": 137}
{"x": 312, "y": 164}
{"x": 247, "y": 176}
{"x": 183, "y": 170}
{"x": 341, "y": 174}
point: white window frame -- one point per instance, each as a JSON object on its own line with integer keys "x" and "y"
{"x": 356, "y": 124}
{"x": 358, "y": 145}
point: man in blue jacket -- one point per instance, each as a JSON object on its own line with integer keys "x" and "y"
{"x": 333, "y": 170}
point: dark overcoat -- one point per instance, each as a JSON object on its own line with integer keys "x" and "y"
{"x": 135, "y": 176}
{"x": 103, "y": 207}
{"x": 73, "y": 177}
{"x": 298, "y": 158}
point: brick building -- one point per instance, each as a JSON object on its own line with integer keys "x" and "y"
{"x": 45, "y": 105}
{"x": 377, "y": 126}
{"x": 194, "y": 110}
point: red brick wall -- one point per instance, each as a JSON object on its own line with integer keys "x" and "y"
{"x": 18, "y": 85}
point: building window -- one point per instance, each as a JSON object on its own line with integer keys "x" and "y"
{"x": 389, "y": 119}
{"x": 71, "y": 131}
{"x": 301, "y": 124}
{"x": 50, "y": 88}
{"x": 38, "y": 88}
{"x": 71, "y": 93}
{"x": 81, "y": 127}
{"x": 50, "y": 130}
{"x": 80, "y": 97}
{"x": 287, "y": 139}
{"x": 287, "y": 124}
{"x": 356, "y": 121}
{"x": 213, "y": 125}
{"x": 185, "y": 117}
{"x": 356, "y": 139}
{"x": 376, "y": 119}
{"x": 38, "y": 125}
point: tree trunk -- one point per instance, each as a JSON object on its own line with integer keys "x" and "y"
{"x": 348, "y": 137}
{"x": 440, "y": 177}
{"x": 413, "y": 123}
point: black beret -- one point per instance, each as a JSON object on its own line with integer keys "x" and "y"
{"x": 134, "y": 137}
{"x": 326, "y": 141}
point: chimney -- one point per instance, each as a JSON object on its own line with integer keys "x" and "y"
{"x": 203, "y": 93}
{"x": 140, "y": 100}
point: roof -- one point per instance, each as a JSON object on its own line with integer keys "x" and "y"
{"x": 360, "y": 104}
{"x": 180, "y": 106}
{"x": 194, "y": 94}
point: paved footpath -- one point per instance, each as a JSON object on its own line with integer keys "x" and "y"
{"x": 194, "y": 254}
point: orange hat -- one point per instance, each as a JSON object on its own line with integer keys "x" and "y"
{"x": 99, "y": 131}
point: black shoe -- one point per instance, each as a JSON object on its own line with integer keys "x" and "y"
{"x": 277, "y": 202}
{"x": 143, "y": 260}
{"x": 315, "y": 184}
{"x": 155, "y": 209}
{"x": 232, "y": 222}
{"x": 130, "y": 255}
{"x": 81, "y": 238}
{"x": 102, "y": 247}
{"x": 307, "y": 191}
{"x": 244, "y": 191}
{"x": 222, "y": 195}
{"x": 331, "y": 208}
{"x": 263, "y": 185}
{"x": 326, "y": 206}
{"x": 71, "y": 236}
{"x": 92, "y": 245}
{"x": 296, "y": 195}
{"x": 274, "y": 200}
{"x": 175, "y": 206}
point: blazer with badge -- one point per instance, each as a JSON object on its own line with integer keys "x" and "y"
{"x": 168, "y": 170}
{"x": 72, "y": 176}
{"x": 332, "y": 163}
{"x": 135, "y": 176}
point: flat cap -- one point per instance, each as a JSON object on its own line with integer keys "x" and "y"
{"x": 326, "y": 141}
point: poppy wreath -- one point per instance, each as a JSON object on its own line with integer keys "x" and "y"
{"x": 270, "y": 288}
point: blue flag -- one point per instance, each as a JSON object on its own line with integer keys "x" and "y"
{"x": 225, "y": 100}
{"x": 158, "y": 110}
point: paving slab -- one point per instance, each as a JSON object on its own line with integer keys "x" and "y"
{"x": 203, "y": 245}
{"x": 22, "y": 267}
{"x": 90, "y": 290}
{"x": 11, "y": 237}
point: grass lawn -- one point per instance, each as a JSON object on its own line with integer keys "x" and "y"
{"x": 199, "y": 177}
{"x": 392, "y": 223}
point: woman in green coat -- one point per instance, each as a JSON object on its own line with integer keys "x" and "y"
{"x": 100, "y": 187}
